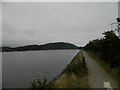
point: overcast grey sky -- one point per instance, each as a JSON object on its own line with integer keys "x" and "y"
{"x": 39, "y": 23}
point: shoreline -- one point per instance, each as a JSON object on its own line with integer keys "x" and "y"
{"x": 75, "y": 75}
{"x": 40, "y": 50}
{"x": 62, "y": 73}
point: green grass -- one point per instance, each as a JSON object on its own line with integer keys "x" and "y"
{"x": 71, "y": 81}
{"x": 112, "y": 71}
{"x": 75, "y": 75}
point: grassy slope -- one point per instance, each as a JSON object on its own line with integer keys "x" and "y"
{"x": 112, "y": 71}
{"x": 75, "y": 74}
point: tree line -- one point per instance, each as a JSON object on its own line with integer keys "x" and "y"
{"x": 108, "y": 48}
{"x": 47, "y": 46}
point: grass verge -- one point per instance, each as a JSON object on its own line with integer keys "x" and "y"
{"x": 112, "y": 71}
{"x": 75, "y": 75}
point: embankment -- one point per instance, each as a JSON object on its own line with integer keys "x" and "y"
{"x": 75, "y": 75}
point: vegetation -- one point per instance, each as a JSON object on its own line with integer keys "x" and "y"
{"x": 49, "y": 46}
{"x": 108, "y": 51}
{"x": 41, "y": 84}
{"x": 75, "y": 75}
{"x": 77, "y": 66}
{"x": 107, "y": 48}
{"x": 112, "y": 71}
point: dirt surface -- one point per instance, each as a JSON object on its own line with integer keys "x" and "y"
{"x": 97, "y": 74}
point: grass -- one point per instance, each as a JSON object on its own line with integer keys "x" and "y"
{"x": 112, "y": 71}
{"x": 71, "y": 81}
{"x": 75, "y": 75}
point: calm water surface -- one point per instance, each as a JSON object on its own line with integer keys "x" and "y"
{"x": 20, "y": 68}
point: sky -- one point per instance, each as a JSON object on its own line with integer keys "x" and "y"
{"x": 26, "y": 23}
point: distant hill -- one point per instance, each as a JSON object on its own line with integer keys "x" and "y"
{"x": 48, "y": 46}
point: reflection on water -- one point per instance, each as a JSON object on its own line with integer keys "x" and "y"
{"x": 19, "y": 68}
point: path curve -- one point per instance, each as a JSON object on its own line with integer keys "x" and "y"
{"x": 97, "y": 74}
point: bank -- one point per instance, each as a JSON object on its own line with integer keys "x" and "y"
{"x": 75, "y": 75}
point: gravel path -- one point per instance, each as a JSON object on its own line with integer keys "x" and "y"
{"x": 97, "y": 74}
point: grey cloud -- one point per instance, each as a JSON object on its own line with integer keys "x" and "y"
{"x": 29, "y": 23}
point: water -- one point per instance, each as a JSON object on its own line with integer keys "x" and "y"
{"x": 20, "y": 68}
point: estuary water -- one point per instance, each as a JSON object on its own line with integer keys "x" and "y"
{"x": 20, "y": 68}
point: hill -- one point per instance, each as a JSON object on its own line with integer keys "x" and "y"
{"x": 48, "y": 46}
